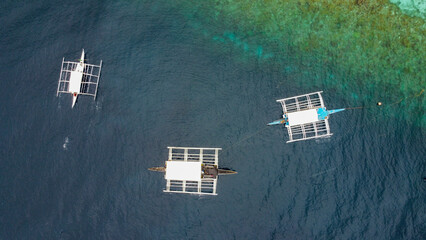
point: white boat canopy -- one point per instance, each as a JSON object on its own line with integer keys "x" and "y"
{"x": 302, "y": 117}
{"x": 184, "y": 170}
{"x": 301, "y": 113}
{"x": 79, "y": 78}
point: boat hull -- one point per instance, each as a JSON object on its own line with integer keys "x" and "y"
{"x": 157, "y": 169}
{"x": 226, "y": 172}
{"x": 74, "y": 99}
{"x": 277, "y": 122}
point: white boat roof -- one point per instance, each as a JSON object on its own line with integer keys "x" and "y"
{"x": 75, "y": 81}
{"x": 184, "y": 171}
{"x": 302, "y": 117}
{"x": 77, "y": 76}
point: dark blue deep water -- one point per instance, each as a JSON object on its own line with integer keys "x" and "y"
{"x": 82, "y": 173}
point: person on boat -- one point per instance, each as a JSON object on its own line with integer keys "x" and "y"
{"x": 210, "y": 171}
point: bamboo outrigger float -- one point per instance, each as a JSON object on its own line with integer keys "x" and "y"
{"x": 192, "y": 170}
{"x": 305, "y": 117}
{"x": 79, "y": 78}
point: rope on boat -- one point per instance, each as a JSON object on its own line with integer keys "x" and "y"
{"x": 349, "y": 131}
{"x": 397, "y": 102}
{"x": 245, "y": 138}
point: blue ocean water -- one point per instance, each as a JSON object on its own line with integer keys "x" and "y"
{"x": 82, "y": 173}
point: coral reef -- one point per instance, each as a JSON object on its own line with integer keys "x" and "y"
{"x": 379, "y": 50}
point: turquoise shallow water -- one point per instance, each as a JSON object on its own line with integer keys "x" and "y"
{"x": 82, "y": 173}
{"x": 369, "y": 51}
{"x": 412, "y": 8}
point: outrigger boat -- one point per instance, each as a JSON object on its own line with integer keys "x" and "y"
{"x": 192, "y": 170}
{"x": 79, "y": 78}
{"x": 305, "y": 117}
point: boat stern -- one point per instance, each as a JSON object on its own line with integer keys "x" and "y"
{"x": 277, "y": 122}
{"x": 74, "y": 99}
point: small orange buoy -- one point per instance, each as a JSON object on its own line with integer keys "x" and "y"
{"x": 379, "y": 103}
